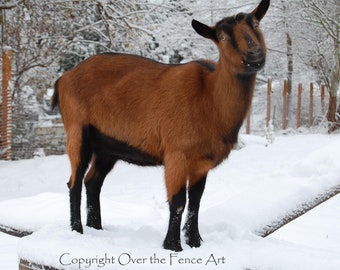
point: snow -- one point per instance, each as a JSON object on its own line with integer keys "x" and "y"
{"x": 8, "y": 253}
{"x": 320, "y": 223}
{"x": 257, "y": 185}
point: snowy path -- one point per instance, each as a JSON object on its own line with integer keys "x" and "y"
{"x": 255, "y": 186}
{"x": 314, "y": 230}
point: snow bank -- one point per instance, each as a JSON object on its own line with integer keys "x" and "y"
{"x": 126, "y": 248}
{"x": 257, "y": 184}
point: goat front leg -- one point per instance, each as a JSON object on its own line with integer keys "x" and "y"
{"x": 175, "y": 178}
{"x": 173, "y": 239}
{"x": 193, "y": 238}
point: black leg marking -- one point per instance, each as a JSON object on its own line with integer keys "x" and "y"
{"x": 172, "y": 240}
{"x": 75, "y": 192}
{"x": 193, "y": 238}
{"x": 75, "y": 202}
{"x": 93, "y": 187}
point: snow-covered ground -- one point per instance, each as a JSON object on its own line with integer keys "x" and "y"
{"x": 256, "y": 186}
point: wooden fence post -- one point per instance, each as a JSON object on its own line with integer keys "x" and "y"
{"x": 311, "y": 93}
{"x": 6, "y": 110}
{"x": 284, "y": 109}
{"x": 298, "y": 114}
{"x": 269, "y": 91}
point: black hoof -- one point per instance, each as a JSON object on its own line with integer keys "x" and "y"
{"x": 94, "y": 226}
{"x": 194, "y": 241}
{"x": 93, "y": 223}
{"x": 193, "y": 237}
{"x": 173, "y": 245}
{"x": 77, "y": 227}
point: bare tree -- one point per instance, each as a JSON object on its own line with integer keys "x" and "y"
{"x": 50, "y": 37}
{"x": 323, "y": 18}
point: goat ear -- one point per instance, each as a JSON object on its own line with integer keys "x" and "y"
{"x": 261, "y": 9}
{"x": 204, "y": 30}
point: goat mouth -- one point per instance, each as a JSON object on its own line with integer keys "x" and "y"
{"x": 253, "y": 66}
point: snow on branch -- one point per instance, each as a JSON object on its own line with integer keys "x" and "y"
{"x": 325, "y": 19}
{"x": 10, "y": 5}
{"x": 298, "y": 211}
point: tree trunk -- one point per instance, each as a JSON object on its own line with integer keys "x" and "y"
{"x": 289, "y": 76}
{"x": 334, "y": 111}
{"x": 290, "y": 62}
{"x": 332, "y": 125}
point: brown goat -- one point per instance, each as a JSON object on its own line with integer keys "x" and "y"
{"x": 185, "y": 117}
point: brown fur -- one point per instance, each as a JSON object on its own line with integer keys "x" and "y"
{"x": 167, "y": 111}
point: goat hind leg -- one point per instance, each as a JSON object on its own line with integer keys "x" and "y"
{"x": 80, "y": 154}
{"x": 93, "y": 183}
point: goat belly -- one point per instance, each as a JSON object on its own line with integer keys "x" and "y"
{"x": 109, "y": 147}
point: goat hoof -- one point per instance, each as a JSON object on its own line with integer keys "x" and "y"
{"x": 194, "y": 242}
{"x": 94, "y": 225}
{"x": 77, "y": 227}
{"x": 174, "y": 245}
{"x": 193, "y": 237}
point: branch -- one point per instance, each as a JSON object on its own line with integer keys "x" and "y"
{"x": 10, "y": 5}
{"x": 137, "y": 27}
{"x": 323, "y": 19}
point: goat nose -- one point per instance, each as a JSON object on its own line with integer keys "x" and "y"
{"x": 254, "y": 53}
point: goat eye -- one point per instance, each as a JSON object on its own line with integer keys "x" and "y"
{"x": 238, "y": 17}
{"x": 224, "y": 37}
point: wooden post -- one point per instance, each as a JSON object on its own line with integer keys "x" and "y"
{"x": 311, "y": 93}
{"x": 269, "y": 91}
{"x": 284, "y": 109}
{"x": 298, "y": 115}
{"x": 248, "y": 122}
{"x": 323, "y": 98}
{"x": 6, "y": 110}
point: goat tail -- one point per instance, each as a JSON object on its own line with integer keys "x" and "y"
{"x": 55, "y": 97}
